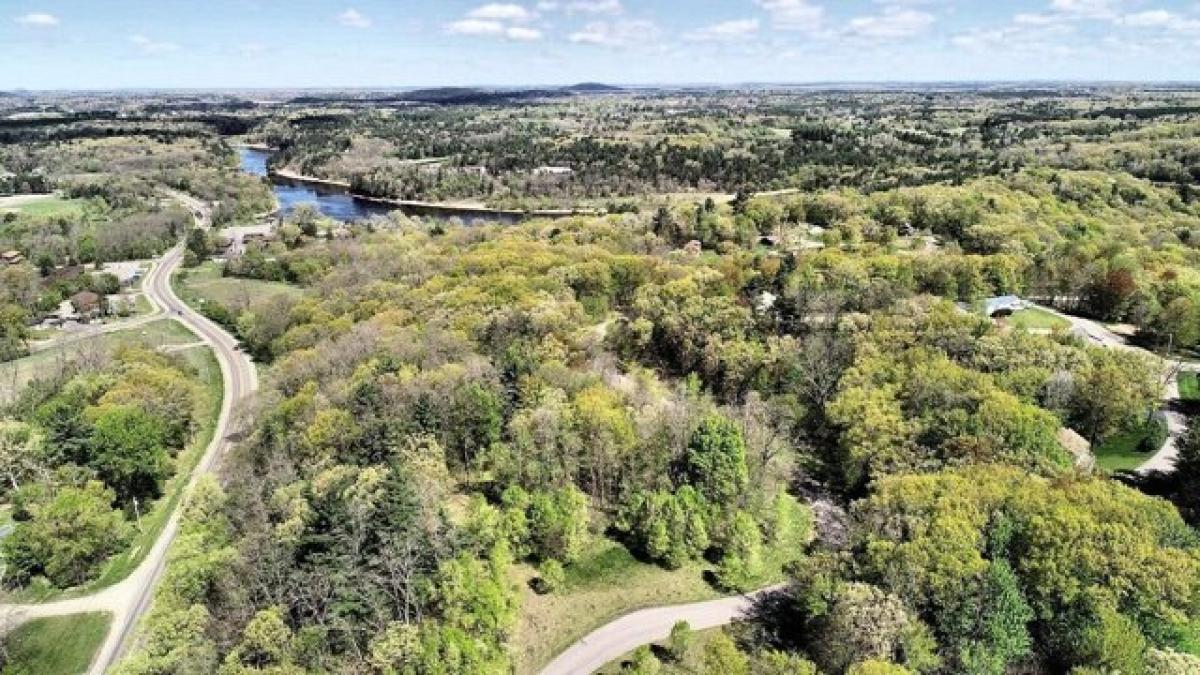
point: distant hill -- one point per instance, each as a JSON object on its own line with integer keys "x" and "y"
{"x": 592, "y": 87}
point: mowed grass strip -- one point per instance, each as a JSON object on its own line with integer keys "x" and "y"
{"x": 1189, "y": 385}
{"x": 61, "y": 645}
{"x": 1037, "y": 319}
{"x": 1123, "y": 451}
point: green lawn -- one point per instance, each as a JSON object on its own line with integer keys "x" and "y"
{"x": 205, "y": 282}
{"x": 57, "y": 646}
{"x": 1037, "y": 319}
{"x": 50, "y": 207}
{"x": 16, "y": 374}
{"x": 1121, "y": 453}
{"x": 605, "y": 583}
{"x": 1189, "y": 385}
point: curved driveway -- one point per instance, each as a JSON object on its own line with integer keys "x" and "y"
{"x": 619, "y": 637}
{"x": 1095, "y": 332}
{"x": 129, "y": 599}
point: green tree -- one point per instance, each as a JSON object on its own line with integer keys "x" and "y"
{"x": 643, "y": 662}
{"x": 716, "y": 460}
{"x": 722, "y": 657}
{"x": 67, "y": 536}
{"x": 680, "y": 641}
{"x": 550, "y": 576}
{"x": 741, "y": 563}
{"x": 128, "y": 453}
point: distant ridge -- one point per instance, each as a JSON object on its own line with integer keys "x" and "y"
{"x": 591, "y": 87}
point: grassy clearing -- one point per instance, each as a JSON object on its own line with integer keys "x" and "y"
{"x": 56, "y": 646}
{"x": 1037, "y": 319}
{"x": 155, "y": 516}
{"x": 1122, "y": 452}
{"x": 48, "y": 207}
{"x": 205, "y": 282}
{"x": 1189, "y": 385}
{"x": 606, "y": 583}
{"x": 16, "y": 374}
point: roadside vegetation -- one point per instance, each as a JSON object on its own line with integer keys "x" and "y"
{"x": 55, "y": 646}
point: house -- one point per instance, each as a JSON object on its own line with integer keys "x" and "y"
{"x": 553, "y": 171}
{"x": 1003, "y": 305}
{"x": 87, "y": 304}
{"x": 12, "y": 258}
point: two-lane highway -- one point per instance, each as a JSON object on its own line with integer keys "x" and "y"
{"x": 129, "y": 599}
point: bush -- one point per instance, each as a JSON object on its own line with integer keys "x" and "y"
{"x": 680, "y": 641}
{"x": 551, "y": 577}
{"x": 1156, "y": 435}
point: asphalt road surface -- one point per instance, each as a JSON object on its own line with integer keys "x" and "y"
{"x": 129, "y": 599}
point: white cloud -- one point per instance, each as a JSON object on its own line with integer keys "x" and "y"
{"x": 476, "y": 27}
{"x": 522, "y": 34}
{"x": 1088, "y": 9}
{"x": 1154, "y": 17}
{"x": 1161, "y": 20}
{"x": 582, "y": 6}
{"x": 497, "y": 20}
{"x": 618, "y": 34}
{"x": 893, "y": 24}
{"x": 725, "y": 31}
{"x": 354, "y": 19}
{"x": 152, "y": 47}
{"x": 37, "y": 20}
{"x": 800, "y": 15}
{"x": 595, "y": 7}
{"x": 1036, "y": 19}
{"x": 500, "y": 12}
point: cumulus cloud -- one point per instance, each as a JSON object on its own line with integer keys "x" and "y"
{"x": 354, "y": 19}
{"x": 800, "y": 15}
{"x": 893, "y": 24}
{"x": 502, "y": 20}
{"x": 500, "y": 12}
{"x": 618, "y": 34}
{"x": 37, "y": 20}
{"x": 725, "y": 31}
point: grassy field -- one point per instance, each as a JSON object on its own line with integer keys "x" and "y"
{"x": 606, "y": 583}
{"x": 156, "y": 515}
{"x": 1189, "y": 385}
{"x": 1037, "y": 319}
{"x": 56, "y": 646}
{"x": 48, "y": 207}
{"x": 1121, "y": 453}
{"x": 18, "y": 373}
{"x": 205, "y": 282}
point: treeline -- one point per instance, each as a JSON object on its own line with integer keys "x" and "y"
{"x": 84, "y": 457}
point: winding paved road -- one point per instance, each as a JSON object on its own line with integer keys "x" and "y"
{"x": 1164, "y": 459}
{"x": 129, "y": 599}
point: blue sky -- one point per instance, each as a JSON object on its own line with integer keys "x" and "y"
{"x": 54, "y": 44}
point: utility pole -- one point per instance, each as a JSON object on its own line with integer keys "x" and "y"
{"x": 137, "y": 513}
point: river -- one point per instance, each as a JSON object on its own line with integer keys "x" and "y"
{"x": 337, "y": 202}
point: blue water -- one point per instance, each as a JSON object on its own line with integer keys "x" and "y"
{"x": 338, "y": 203}
{"x": 332, "y": 201}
